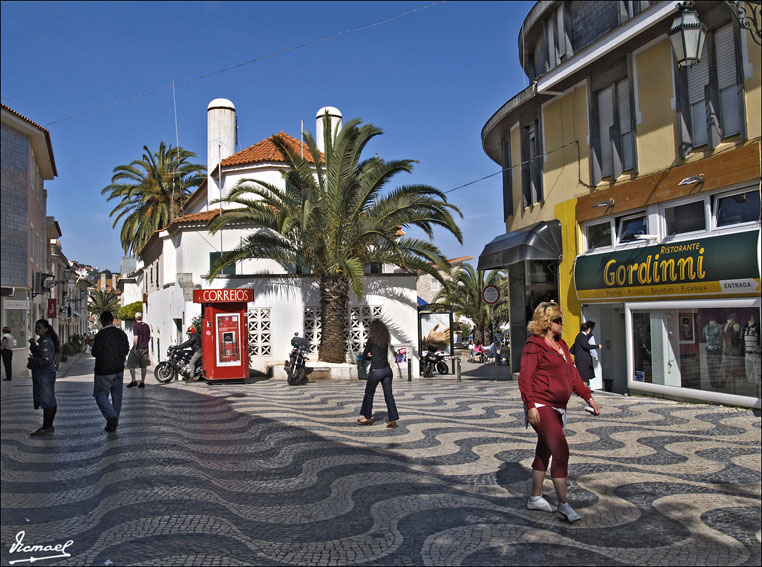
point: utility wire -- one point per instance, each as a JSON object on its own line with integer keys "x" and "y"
{"x": 250, "y": 61}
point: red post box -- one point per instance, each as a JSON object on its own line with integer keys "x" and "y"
{"x": 225, "y": 332}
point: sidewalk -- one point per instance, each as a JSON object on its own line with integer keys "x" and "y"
{"x": 269, "y": 474}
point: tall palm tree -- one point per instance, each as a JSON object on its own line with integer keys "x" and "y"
{"x": 463, "y": 293}
{"x": 103, "y": 301}
{"x": 151, "y": 192}
{"x": 333, "y": 218}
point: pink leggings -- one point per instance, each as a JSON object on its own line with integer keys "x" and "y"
{"x": 551, "y": 441}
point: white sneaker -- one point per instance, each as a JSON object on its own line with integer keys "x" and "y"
{"x": 540, "y": 504}
{"x": 567, "y": 513}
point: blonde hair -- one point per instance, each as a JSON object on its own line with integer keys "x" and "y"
{"x": 543, "y": 316}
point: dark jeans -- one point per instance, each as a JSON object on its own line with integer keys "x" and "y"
{"x": 106, "y": 384}
{"x": 383, "y": 375}
{"x": 8, "y": 362}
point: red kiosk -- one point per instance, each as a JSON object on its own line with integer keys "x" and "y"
{"x": 225, "y": 332}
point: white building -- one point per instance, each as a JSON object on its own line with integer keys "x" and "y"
{"x": 177, "y": 260}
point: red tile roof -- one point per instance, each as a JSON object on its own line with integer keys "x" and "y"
{"x": 203, "y": 216}
{"x": 267, "y": 151}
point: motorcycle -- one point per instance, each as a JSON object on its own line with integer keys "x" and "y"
{"x": 294, "y": 366}
{"x": 176, "y": 365}
{"x": 433, "y": 360}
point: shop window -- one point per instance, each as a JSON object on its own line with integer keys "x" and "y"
{"x": 630, "y": 227}
{"x": 710, "y": 94}
{"x": 599, "y": 235}
{"x": 713, "y": 349}
{"x": 737, "y": 208}
{"x": 689, "y": 217}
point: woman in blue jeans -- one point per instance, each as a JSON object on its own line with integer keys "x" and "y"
{"x": 376, "y": 351}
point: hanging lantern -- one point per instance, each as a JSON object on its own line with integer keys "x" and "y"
{"x": 687, "y": 35}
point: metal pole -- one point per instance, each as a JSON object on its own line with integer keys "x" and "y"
{"x": 410, "y": 369}
{"x": 492, "y": 320}
{"x": 457, "y": 361}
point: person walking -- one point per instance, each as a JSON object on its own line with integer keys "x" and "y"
{"x": 8, "y": 342}
{"x": 546, "y": 380}
{"x": 139, "y": 353}
{"x": 194, "y": 342}
{"x": 42, "y": 363}
{"x": 582, "y": 349}
{"x": 110, "y": 348}
{"x": 376, "y": 351}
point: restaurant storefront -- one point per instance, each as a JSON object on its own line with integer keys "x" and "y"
{"x": 687, "y": 314}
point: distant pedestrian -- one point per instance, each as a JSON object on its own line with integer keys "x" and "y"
{"x": 42, "y": 363}
{"x": 546, "y": 381}
{"x": 139, "y": 353}
{"x": 376, "y": 351}
{"x": 8, "y": 342}
{"x": 581, "y": 351}
{"x": 110, "y": 348}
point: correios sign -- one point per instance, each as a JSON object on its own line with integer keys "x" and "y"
{"x": 223, "y": 295}
{"x": 717, "y": 265}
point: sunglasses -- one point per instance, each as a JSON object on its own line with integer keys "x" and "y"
{"x": 558, "y": 321}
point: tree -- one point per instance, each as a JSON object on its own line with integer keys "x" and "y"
{"x": 332, "y": 220}
{"x": 103, "y": 301}
{"x": 463, "y": 294}
{"x": 151, "y": 192}
{"x": 127, "y": 313}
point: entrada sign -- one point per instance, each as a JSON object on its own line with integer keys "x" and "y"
{"x": 724, "y": 265}
{"x": 223, "y": 295}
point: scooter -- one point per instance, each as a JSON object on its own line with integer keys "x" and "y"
{"x": 433, "y": 359}
{"x": 294, "y": 366}
{"x": 176, "y": 365}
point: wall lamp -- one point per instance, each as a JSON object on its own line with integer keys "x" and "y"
{"x": 687, "y": 33}
{"x": 46, "y": 282}
{"x": 607, "y": 204}
{"x": 693, "y": 179}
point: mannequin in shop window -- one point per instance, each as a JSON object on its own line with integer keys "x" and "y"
{"x": 732, "y": 351}
{"x": 713, "y": 338}
{"x": 752, "y": 350}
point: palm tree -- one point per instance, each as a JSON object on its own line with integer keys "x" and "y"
{"x": 151, "y": 192}
{"x": 332, "y": 219}
{"x": 103, "y": 301}
{"x": 463, "y": 294}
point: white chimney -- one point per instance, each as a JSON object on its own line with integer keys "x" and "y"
{"x": 220, "y": 139}
{"x": 334, "y": 124}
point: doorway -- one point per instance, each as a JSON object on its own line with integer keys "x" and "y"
{"x": 611, "y": 370}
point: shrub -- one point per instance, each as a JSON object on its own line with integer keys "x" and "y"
{"x": 127, "y": 313}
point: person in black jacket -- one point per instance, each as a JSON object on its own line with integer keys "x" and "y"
{"x": 110, "y": 349}
{"x": 194, "y": 342}
{"x": 376, "y": 351}
{"x": 581, "y": 351}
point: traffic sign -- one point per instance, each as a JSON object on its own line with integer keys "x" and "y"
{"x": 490, "y": 294}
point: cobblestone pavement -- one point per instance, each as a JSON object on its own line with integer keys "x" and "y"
{"x": 269, "y": 474}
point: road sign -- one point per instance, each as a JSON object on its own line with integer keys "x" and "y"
{"x": 490, "y": 294}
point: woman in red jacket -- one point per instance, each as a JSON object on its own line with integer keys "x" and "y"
{"x": 546, "y": 381}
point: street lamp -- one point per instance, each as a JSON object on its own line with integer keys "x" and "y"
{"x": 687, "y": 34}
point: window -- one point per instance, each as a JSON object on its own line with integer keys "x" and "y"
{"x": 374, "y": 268}
{"x": 435, "y": 284}
{"x": 531, "y": 163}
{"x": 507, "y": 177}
{"x": 630, "y": 8}
{"x": 599, "y": 235}
{"x": 710, "y": 94}
{"x": 629, "y": 227}
{"x": 32, "y": 244}
{"x": 612, "y": 129}
{"x": 737, "y": 208}
{"x": 690, "y": 217}
{"x": 213, "y": 257}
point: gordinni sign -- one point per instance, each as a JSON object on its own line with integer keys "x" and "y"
{"x": 717, "y": 265}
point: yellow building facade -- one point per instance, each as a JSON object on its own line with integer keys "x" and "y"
{"x": 631, "y": 195}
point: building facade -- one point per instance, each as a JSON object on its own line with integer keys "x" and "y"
{"x": 26, "y": 163}
{"x": 631, "y": 194}
{"x": 176, "y": 260}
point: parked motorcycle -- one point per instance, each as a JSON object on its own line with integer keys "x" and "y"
{"x": 433, "y": 360}
{"x": 176, "y": 365}
{"x": 295, "y": 369}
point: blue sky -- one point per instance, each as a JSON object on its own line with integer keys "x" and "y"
{"x": 430, "y": 79}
